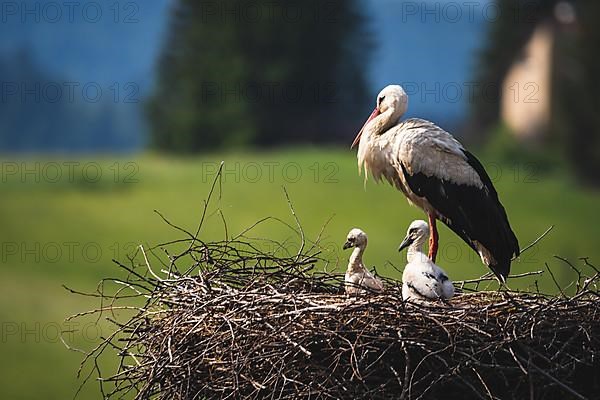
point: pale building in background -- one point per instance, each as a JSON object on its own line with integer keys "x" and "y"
{"x": 526, "y": 93}
{"x": 527, "y": 87}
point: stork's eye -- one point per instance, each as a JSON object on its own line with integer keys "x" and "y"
{"x": 412, "y": 231}
{"x": 379, "y": 100}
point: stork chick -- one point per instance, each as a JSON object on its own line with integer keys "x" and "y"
{"x": 422, "y": 279}
{"x": 358, "y": 279}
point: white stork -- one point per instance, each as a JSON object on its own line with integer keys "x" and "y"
{"x": 438, "y": 175}
{"x": 358, "y": 279}
{"x": 422, "y": 279}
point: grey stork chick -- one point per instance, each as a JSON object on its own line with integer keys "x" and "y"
{"x": 358, "y": 279}
{"x": 437, "y": 174}
{"x": 422, "y": 279}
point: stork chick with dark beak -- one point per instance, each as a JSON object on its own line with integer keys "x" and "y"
{"x": 438, "y": 175}
{"x": 358, "y": 279}
{"x": 422, "y": 279}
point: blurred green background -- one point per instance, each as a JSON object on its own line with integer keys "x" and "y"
{"x": 278, "y": 95}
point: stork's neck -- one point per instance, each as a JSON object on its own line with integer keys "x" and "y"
{"x": 415, "y": 252}
{"x": 355, "y": 262}
{"x": 383, "y": 122}
{"x": 374, "y": 147}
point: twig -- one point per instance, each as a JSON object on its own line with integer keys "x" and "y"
{"x": 536, "y": 241}
{"x": 302, "y": 238}
{"x": 207, "y": 202}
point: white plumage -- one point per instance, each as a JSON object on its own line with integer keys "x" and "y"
{"x": 358, "y": 279}
{"x": 438, "y": 175}
{"x": 422, "y": 279}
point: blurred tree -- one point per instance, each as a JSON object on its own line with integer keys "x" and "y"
{"x": 40, "y": 113}
{"x": 575, "y": 121}
{"x": 234, "y": 72}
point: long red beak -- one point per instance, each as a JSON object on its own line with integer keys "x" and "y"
{"x": 373, "y": 115}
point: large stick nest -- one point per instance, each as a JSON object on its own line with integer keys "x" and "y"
{"x": 246, "y": 324}
{"x": 230, "y": 320}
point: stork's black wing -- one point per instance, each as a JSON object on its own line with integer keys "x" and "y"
{"x": 473, "y": 213}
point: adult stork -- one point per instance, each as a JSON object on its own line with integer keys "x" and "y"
{"x": 437, "y": 174}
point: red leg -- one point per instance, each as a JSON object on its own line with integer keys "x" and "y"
{"x": 433, "y": 238}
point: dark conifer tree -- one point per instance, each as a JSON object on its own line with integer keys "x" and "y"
{"x": 234, "y": 72}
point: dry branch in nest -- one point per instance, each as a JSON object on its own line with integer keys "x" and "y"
{"x": 229, "y": 320}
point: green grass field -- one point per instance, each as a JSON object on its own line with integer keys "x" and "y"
{"x": 66, "y": 229}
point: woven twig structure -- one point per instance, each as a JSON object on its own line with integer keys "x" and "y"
{"x": 241, "y": 323}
